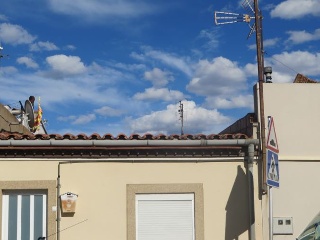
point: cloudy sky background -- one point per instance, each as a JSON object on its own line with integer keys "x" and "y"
{"x": 108, "y": 66}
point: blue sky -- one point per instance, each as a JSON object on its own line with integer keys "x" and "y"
{"x": 110, "y": 66}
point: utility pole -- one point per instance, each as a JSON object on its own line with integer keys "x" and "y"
{"x": 181, "y": 115}
{"x": 260, "y": 60}
{"x": 227, "y": 18}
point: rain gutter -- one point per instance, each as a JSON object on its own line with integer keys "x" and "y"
{"x": 126, "y": 143}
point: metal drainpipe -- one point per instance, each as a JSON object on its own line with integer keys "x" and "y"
{"x": 58, "y": 203}
{"x": 252, "y": 232}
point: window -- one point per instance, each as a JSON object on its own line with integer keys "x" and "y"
{"x": 165, "y": 216}
{"x": 24, "y": 215}
{"x": 27, "y": 209}
{"x": 165, "y": 211}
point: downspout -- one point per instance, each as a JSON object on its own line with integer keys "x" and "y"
{"x": 58, "y": 203}
{"x": 252, "y": 232}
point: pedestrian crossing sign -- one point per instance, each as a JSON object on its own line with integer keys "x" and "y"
{"x": 272, "y": 169}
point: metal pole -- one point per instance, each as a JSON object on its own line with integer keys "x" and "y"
{"x": 270, "y": 214}
{"x": 58, "y": 203}
{"x": 252, "y": 233}
{"x": 259, "y": 40}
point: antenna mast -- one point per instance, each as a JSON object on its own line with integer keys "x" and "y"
{"x": 225, "y": 18}
{"x": 251, "y": 6}
{"x": 181, "y": 115}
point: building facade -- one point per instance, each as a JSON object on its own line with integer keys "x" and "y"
{"x": 132, "y": 188}
{"x": 296, "y": 113}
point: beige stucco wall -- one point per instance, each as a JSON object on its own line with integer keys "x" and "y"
{"x": 102, "y": 203}
{"x": 296, "y": 113}
{"x": 298, "y": 195}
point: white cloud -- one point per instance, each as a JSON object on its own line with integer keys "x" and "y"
{"x": 128, "y": 67}
{"x": 162, "y": 94}
{"x": 69, "y": 65}
{"x": 3, "y": 17}
{"x": 251, "y": 69}
{"x": 28, "y": 62}
{"x": 196, "y": 120}
{"x": 84, "y": 119}
{"x": 47, "y": 46}
{"x": 298, "y": 61}
{"x": 158, "y": 77}
{"x": 70, "y": 47}
{"x": 9, "y": 70}
{"x": 94, "y": 9}
{"x": 108, "y": 111}
{"x": 282, "y": 77}
{"x": 67, "y": 118}
{"x": 218, "y": 77}
{"x": 137, "y": 56}
{"x": 298, "y": 37}
{"x": 241, "y": 101}
{"x": 166, "y": 58}
{"x": 293, "y": 9}
{"x": 211, "y": 36}
{"x": 15, "y": 34}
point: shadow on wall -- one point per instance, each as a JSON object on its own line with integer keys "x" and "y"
{"x": 237, "y": 209}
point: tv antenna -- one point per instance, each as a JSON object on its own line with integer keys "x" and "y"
{"x": 253, "y": 12}
{"x": 221, "y": 18}
{"x": 180, "y": 111}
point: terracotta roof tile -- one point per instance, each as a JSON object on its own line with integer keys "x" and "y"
{"x": 56, "y": 136}
{"x": 161, "y": 137}
{"x": 187, "y": 136}
{"x": 303, "y": 79}
{"x": 96, "y": 136}
{"x": 213, "y": 136}
{"x": 108, "y": 136}
{"x": 114, "y": 151}
{"x": 147, "y": 136}
{"x": 121, "y": 137}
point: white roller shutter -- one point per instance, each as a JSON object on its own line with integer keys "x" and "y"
{"x": 165, "y": 217}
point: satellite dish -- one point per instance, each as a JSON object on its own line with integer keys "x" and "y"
{"x": 30, "y": 114}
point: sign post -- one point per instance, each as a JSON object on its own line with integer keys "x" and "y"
{"x": 272, "y": 169}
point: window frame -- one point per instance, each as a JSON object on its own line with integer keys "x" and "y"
{"x": 48, "y": 186}
{"x": 194, "y": 188}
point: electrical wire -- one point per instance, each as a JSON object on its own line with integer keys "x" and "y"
{"x": 282, "y": 63}
{"x": 68, "y": 227}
